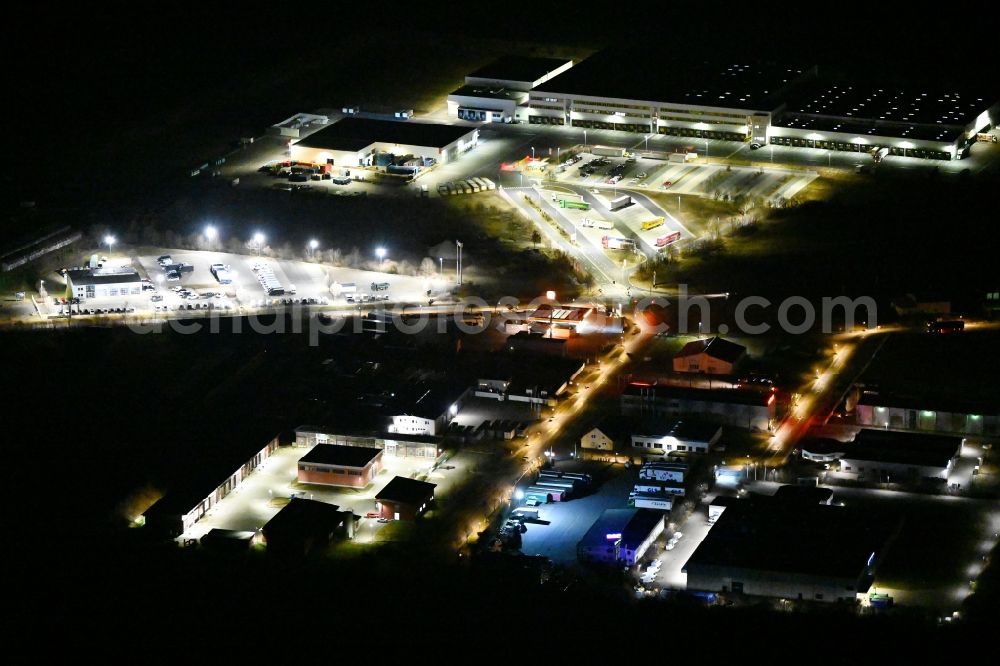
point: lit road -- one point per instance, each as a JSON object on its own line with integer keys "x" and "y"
{"x": 821, "y": 395}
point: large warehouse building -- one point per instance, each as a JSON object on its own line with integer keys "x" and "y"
{"x": 492, "y": 93}
{"x": 793, "y": 550}
{"x": 354, "y": 142}
{"x": 759, "y": 103}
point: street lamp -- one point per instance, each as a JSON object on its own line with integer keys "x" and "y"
{"x": 441, "y": 265}
{"x": 532, "y": 152}
{"x": 110, "y": 241}
{"x": 313, "y": 244}
{"x": 211, "y": 233}
{"x": 380, "y": 253}
{"x": 258, "y": 239}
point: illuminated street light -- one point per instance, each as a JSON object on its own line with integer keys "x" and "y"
{"x": 110, "y": 241}
{"x": 380, "y": 253}
{"x": 313, "y": 244}
{"x": 211, "y": 233}
{"x": 258, "y": 241}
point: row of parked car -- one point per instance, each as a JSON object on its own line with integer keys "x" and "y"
{"x": 211, "y": 305}
{"x": 67, "y": 310}
{"x": 266, "y": 302}
{"x": 467, "y": 186}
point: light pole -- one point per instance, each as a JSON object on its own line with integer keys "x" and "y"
{"x": 706, "y": 146}
{"x": 459, "y": 245}
{"x": 380, "y": 253}
{"x": 109, "y": 240}
{"x": 441, "y": 265}
{"x": 258, "y": 241}
{"x": 313, "y": 244}
{"x": 584, "y": 138}
{"x": 211, "y": 234}
{"x": 532, "y": 153}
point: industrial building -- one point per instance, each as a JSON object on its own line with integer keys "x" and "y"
{"x": 760, "y": 103}
{"x": 538, "y": 379}
{"x": 492, "y": 93}
{"x": 713, "y": 356}
{"x": 89, "y": 283}
{"x": 654, "y": 438}
{"x": 304, "y": 525}
{"x": 620, "y": 535}
{"x": 889, "y": 456}
{"x": 391, "y": 444}
{"x": 404, "y": 499}
{"x": 357, "y": 142}
{"x": 177, "y": 511}
{"x": 966, "y": 417}
{"x": 788, "y": 549}
{"x": 347, "y": 466}
{"x": 741, "y": 407}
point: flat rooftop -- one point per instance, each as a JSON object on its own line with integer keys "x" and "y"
{"x": 356, "y": 133}
{"x": 563, "y": 313}
{"x": 739, "y": 396}
{"x": 764, "y": 534}
{"x": 342, "y": 456}
{"x": 406, "y": 491}
{"x": 656, "y": 75}
{"x": 905, "y": 448}
{"x": 683, "y": 429}
{"x": 519, "y": 68}
{"x": 827, "y": 97}
{"x": 490, "y": 92}
{"x": 954, "y": 405}
{"x": 81, "y": 276}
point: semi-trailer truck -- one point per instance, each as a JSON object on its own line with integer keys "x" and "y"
{"x": 576, "y": 205}
{"x": 615, "y": 243}
{"x": 608, "y": 151}
{"x": 652, "y": 224}
{"x": 596, "y": 224}
{"x": 621, "y": 202}
{"x": 663, "y": 241}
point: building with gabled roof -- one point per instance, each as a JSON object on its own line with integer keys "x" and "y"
{"x": 714, "y": 356}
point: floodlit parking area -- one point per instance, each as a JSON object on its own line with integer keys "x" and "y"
{"x": 271, "y": 485}
{"x": 689, "y": 178}
{"x": 301, "y": 282}
{"x": 562, "y": 524}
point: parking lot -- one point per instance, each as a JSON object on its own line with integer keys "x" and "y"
{"x": 568, "y": 521}
{"x": 690, "y": 178}
{"x": 303, "y": 283}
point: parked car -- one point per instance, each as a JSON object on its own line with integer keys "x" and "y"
{"x": 371, "y": 514}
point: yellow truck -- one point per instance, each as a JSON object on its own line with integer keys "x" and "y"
{"x": 652, "y": 224}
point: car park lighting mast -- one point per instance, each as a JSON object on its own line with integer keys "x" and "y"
{"x": 110, "y": 241}
{"x": 458, "y": 261}
{"x": 380, "y": 253}
{"x": 313, "y": 244}
{"x": 258, "y": 241}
